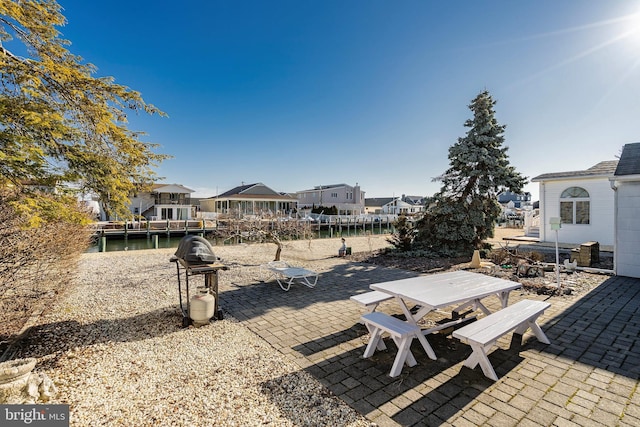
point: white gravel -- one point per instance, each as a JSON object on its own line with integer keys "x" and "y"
{"x": 114, "y": 346}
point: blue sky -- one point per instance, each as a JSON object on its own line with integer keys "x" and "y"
{"x": 297, "y": 94}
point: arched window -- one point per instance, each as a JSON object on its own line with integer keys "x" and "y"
{"x": 574, "y": 206}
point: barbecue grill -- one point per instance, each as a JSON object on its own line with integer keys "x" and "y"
{"x": 195, "y": 257}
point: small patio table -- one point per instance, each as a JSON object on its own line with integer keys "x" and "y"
{"x": 438, "y": 291}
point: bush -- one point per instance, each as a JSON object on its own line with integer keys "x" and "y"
{"x": 402, "y": 238}
{"x": 38, "y": 257}
{"x": 326, "y": 210}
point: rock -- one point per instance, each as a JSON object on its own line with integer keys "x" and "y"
{"x": 14, "y": 369}
{"x": 18, "y": 385}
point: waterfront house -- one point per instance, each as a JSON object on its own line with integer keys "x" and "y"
{"x": 583, "y": 200}
{"x": 408, "y": 205}
{"x": 413, "y": 204}
{"x": 378, "y": 205}
{"x": 163, "y": 202}
{"x": 251, "y": 199}
{"x": 626, "y": 188}
{"x": 348, "y": 200}
{"x": 520, "y": 200}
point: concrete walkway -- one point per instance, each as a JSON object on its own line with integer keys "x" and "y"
{"x": 587, "y": 376}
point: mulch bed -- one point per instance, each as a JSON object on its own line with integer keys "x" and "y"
{"x": 505, "y": 265}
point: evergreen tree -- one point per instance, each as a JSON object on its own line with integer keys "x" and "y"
{"x": 402, "y": 238}
{"x": 464, "y": 212}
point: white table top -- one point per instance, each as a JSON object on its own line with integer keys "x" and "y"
{"x": 444, "y": 289}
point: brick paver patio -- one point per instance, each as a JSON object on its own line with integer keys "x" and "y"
{"x": 587, "y": 376}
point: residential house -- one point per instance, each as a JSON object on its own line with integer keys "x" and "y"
{"x": 626, "y": 185}
{"x": 378, "y": 205}
{"x": 251, "y": 199}
{"x": 408, "y": 205}
{"x": 416, "y": 204}
{"x": 163, "y": 202}
{"x": 348, "y": 200}
{"x": 520, "y": 200}
{"x": 583, "y": 200}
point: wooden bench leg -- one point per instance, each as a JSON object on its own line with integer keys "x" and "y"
{"x": 376, "y": 337}
{"x": 404, "y": 355}
{"x": 380, "y": 345}
{"x": 479, "y": 356}
{"x": 405, "y": 343}
{"x": 535, "y": 328}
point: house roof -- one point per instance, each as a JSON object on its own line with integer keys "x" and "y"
{"x": 253, "y": 191}
{"x": 413, "y": 200}
{"x": 325, "y": 187}
{"x": 156, "y": 187}
{"x": 602, "y": 169}
{"x": 629, "y": 163}
{"x": 508, "y": 196}
{"x": 378, "y": 201}
{"x": 241, "y": 189}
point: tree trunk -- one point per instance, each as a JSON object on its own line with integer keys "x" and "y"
{"x": 278, "y": 251}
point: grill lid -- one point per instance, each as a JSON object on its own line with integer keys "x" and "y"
{"x": 195, "y": 250}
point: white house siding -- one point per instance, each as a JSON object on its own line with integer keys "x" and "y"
{"x": 347, "y": 199}
{"x": 141, "y": 203}
{"x": 170, "y": 209}
{"x": 601, "y": 226}
{"x": 628, "y": 229}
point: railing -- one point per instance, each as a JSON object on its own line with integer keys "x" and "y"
{"x": 146, "y": 208}
{"x": 136, "y": 227}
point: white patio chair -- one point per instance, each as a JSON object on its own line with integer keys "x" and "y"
{"x": 285, "y": 274}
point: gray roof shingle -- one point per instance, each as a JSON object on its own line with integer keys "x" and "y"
{"x": 606, "y": 168}
{"x": 629, "y": 163}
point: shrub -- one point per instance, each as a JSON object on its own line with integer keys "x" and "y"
{"x": 38, "y": 256}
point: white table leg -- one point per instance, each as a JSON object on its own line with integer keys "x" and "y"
{"x": 504, "y": 298}
{"x": 477, "y": 304}
{"x": 427, "y": 347}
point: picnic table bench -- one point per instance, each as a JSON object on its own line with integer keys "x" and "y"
{"x": 402, "y": 334}
{"x": 430, "y": 293}
{"x": 482, "y": 334}
{"x": 371, "y": 299}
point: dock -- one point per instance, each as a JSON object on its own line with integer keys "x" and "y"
{"x": 150, "y": 228}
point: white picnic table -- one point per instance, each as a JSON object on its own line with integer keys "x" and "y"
{"x": 438, "y": 291}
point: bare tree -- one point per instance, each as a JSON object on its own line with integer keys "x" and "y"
{"x": 36, "y": 262}
{"x": 264, "y": 229}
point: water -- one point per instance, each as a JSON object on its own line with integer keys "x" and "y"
{"x": 140, "y": 243}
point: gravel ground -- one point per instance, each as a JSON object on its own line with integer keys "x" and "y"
{"x": 114, "y": 347}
